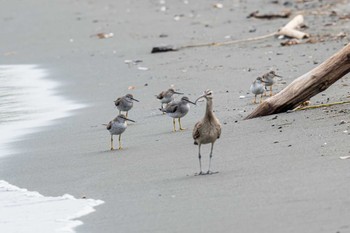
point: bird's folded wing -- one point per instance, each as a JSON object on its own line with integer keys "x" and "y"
{"x": 218, "y": 128}
{"x": 117, "y": 102}
{"x": 109, "y": 125}
{"x": 171, "y": 108}
{"x": 195, "y": 133}
{"x": 160, "y": 96}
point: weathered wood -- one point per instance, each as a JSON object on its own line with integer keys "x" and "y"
{"x": 307, "y": 85}
{"x": 282, "y": 14}
{"x": 290, "y": 29}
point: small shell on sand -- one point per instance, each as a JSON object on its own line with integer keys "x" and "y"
{"x": 218, "y": 5}
{"x": 142, "y": 68}
{"x": 104, "y": 35}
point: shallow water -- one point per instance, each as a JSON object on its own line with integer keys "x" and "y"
{"x": 28, "y": 101}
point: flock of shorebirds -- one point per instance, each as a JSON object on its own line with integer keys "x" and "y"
{"x": 205, "y": 131}
{"x": 259, "y": 86}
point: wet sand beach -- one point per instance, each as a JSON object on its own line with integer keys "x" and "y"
{"x": 280, "y": 173}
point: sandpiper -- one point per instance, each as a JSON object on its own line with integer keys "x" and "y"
{"x": 116, "y": 127}
{"x": 257, "y": 88}
{"x": 206, "y": 130}
{"x": 268, "y": 79}
{"x": 125, "y": 103}
{"x": 166, "y": 97}
{"x": 178, "y": 109}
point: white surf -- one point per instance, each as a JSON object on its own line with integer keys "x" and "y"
{"x": 28, "y": 101}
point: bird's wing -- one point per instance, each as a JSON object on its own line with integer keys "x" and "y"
{"x": 195, "y": 133}
{"x": 109, "y": 125}
{"x": 218, "y": 128}
{"x": 117, "y": 102}
{"x": 171, "y": 107}
{"x": 161, "y": 95}
{"x": 265, "y": 76}
{"x": 252, "y": 87}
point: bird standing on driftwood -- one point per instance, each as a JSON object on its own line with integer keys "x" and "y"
{"x": 116, "y": 127}
{"x": 125, "y": 103}
{"x": 269, "y": 80}
{"x": 257, "y": 88}
{"x": 178, "y": 110}
{"x": 166, "y": 97}
{"x": 206, "y": 130}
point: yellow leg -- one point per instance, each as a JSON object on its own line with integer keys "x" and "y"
{"x": 126, "y": 115}
{"x": 271, "y": 90}
{"x": 112, "y": 142}
{"x": 254, "y": 102}
{"x": 120, "y": 143}
{"x": 174, "y": 125}
{"x": 180, "y": 125}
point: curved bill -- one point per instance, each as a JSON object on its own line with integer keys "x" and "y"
{"x": 135, "y": 100}
{"x": 200, "y": 97}
{"x": 179, "y": 93}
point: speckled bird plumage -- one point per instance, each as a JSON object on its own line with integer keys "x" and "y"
{"x": 207, "y": 130}
{"x": 117, "y": 126}
{"x": 125, "y": 103}
{"x": 167, "y": 96}
{"x": 257, "y": 88}
{"x": 269, "y": 79}
{"x": 178, "y": 109}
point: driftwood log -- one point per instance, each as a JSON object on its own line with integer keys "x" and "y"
{"x": 290, "y": 29}
{"x": 282, "y": 14}
{"x": 307, "y": 85}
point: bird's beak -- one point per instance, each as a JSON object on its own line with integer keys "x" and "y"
{"x": 179, "y": 93}
{"x": 278, "y": 76}
{"x": 202, "y": 96}
{"x": 129, "y": 119}
{"x": 191, "y": 102}
{"x": 135, "y": 100}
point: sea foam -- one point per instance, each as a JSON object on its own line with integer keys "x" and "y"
{"x": 28, "y": 101}
{"x": 24, "y": 211}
